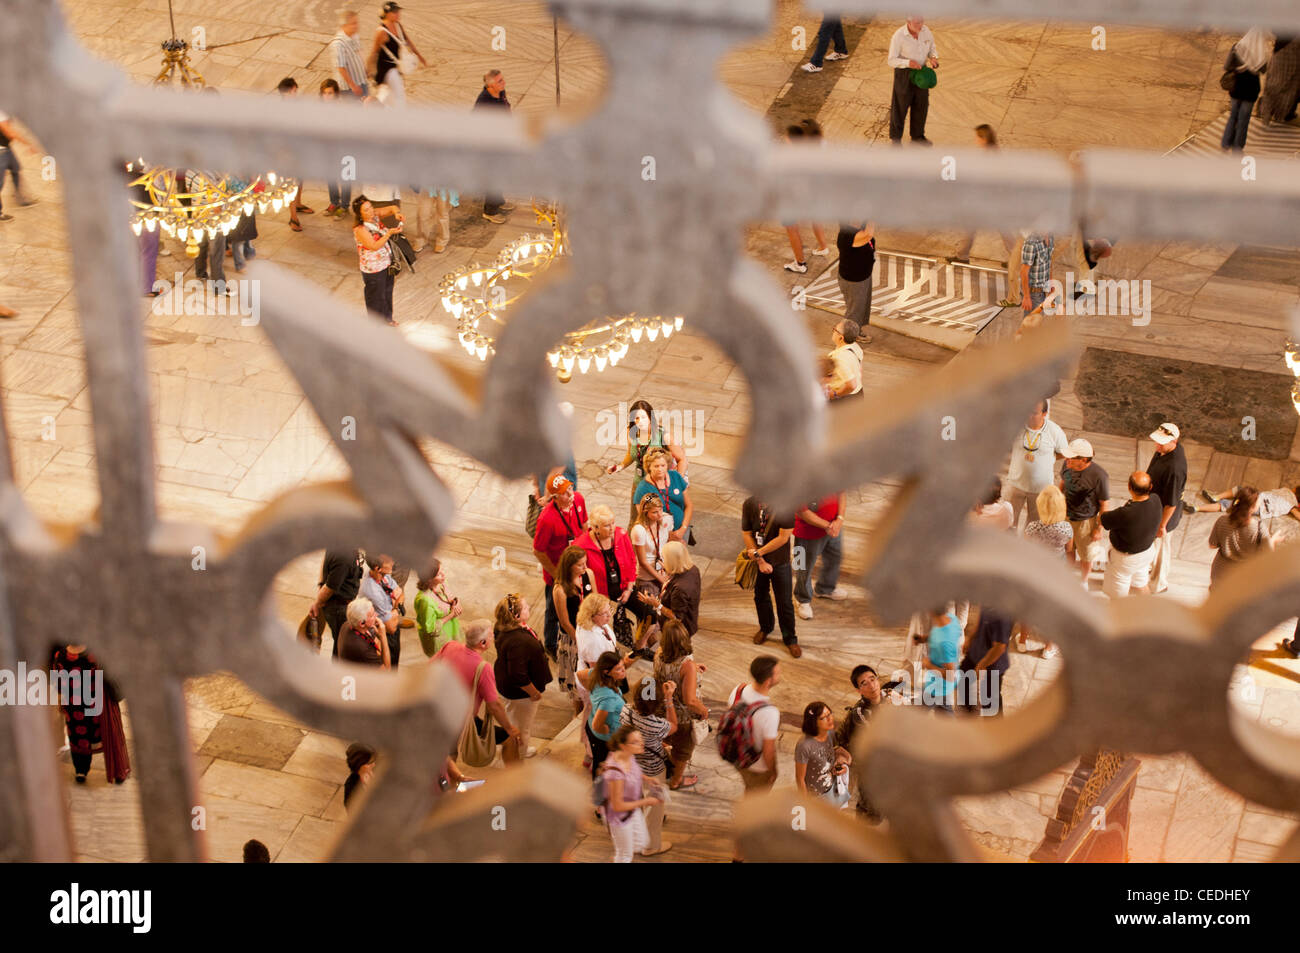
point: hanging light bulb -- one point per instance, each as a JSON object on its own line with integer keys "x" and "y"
{"x": 262, "y": 207}
{"x": 667, "y": 328}
{"x": 505, "y": 275}
{"x": 456, "y": 309}
{"x": 137, "y": 226}
{"x": 602, "y": 359}
{"x": 462, "y": 283}
{"x": 584, "y": 362}
{"x": 636, "y": 334}
{"x": 554, "y": 358}
{"x": 183, "y": 232}
{"x": 270, "y": 178}
{"x": 276, "y": 203}
{"x": 248, "y": 207}
{"x": 481, "y": 348}
{"x": 446, "y": 304}
{"x": 678, "y": 322}
{"x": 568, "y": 362}
{"x": 212, "y": 233}
{"x": 292, "y": 193}
{"x": 150, "y": 222}
{"x": 652, "y": 331}
{"x": 477, "y": 277}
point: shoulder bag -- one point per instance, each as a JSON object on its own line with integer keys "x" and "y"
{"x": 478, "y": 748}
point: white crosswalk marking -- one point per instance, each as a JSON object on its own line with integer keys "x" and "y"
{"x": 921, "y": 291}
{"x": 1275, "y": 141}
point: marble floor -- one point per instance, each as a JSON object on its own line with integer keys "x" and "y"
{"x": 233, "y": 430}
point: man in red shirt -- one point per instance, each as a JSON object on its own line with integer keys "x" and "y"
{"x": 817, "y": 533}
{"x": 466, "y": 659}
{"x": 561, "y": 522}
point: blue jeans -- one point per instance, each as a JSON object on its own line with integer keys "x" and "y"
{"x": 340, "y": 194}
{"x": 240, "y": 251}
{"x": 831, "y": 29}
{"x": 9, "y": 162}
{"x": 1234, "y": 133}
{"x": 830, "y": 548}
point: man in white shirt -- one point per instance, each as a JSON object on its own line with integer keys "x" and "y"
{"x": 765, "y": 674}
{"x": 846, "y": 380}
{"x": 1033, "y": 460}
{"x": 911, "y": 48}
{"x": 348, "y": 62}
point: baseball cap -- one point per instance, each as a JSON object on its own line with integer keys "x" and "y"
{"x": 1165, "y": 433}
{"x": 391, "y": 6}
{"x": 560, "y": 483}
{"x": 1079, "y": 448}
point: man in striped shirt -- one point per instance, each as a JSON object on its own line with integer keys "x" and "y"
{"x": 349, "y": 65}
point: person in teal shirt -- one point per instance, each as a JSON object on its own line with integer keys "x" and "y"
{"x": 943, "y": 652}
{"x": 603, "y": 681}
{"x": 671, "y": 487}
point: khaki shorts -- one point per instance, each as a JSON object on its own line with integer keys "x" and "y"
{"x": 521, "y": 712}
{"x": 1083, "y": 541}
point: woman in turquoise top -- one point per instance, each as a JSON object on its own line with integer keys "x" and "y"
{"x": 943, "y": 651}
{"x": 671, "y": 487}
{"x": 607, "y": 703}
{"x": 436, "y": 614}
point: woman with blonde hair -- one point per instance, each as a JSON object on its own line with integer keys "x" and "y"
{"x": 680, "y": 599}
{"x": 671, "y": 488}
{"x": 595, "y": 638}
{"x": 1051, "y": 529}
{"x": 612, "y": 557}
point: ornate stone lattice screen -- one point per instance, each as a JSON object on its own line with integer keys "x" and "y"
{"x": 1143, "y": 674}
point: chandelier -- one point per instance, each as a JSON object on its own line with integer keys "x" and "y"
{"x": 477, "y": 296}
{"x": 185, "y": 204}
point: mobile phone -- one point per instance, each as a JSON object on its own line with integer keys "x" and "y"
{"x": 469, "y": 785}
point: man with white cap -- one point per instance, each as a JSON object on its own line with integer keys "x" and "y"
{"x": 1087, "y": 495}
{"x": 1168, "y": 469}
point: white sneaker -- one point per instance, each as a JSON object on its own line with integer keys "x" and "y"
{"x": 832, "y": 55}
{"x": 809, "y": 68}
{"x": 797, "y": 267}
{"x": 804, "y": 609}
{"x": 839, "y": 595}
{"x": 532, "y": 751}
{"x": 823, "y": 251}
{"x": 1051, "y": 652}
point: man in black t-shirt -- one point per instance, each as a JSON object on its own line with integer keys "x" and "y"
{"x": 767, "y": 539}
{"x": 1132, "y": 534}
{"x": 340, "y": 581}
{"x": 1168, "y": 469}
{"x": 1087, "y": 495}
{"x": 857, "y": 247}
{"x": 985, "y": 662}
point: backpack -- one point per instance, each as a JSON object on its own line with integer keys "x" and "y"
{"x": 736, "y": 734}
{"x": 600, "y": 790}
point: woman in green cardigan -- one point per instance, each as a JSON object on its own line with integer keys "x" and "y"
{"x": 436, "y": 614}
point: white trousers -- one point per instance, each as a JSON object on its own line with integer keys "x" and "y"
{"x": 629, "y": 838}
{"x": 1127, "y": 570}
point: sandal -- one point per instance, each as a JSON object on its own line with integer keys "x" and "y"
{"x": 663, "y": 849}
{"x": 689, "y": 781}
{"x": 296, "y": 226}
{"x": 1008, "y": 303}
{"x": 304, "y": 210}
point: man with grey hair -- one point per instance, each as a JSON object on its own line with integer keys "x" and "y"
{"x": 493, "y": 96}
{"x": 846, "y": 378}
{"x": 362, "y": 639}
{"x": 348, "y": 62}
{"x": 378, "y": 586}
{"x": 467, "y": 660}
{"x": 910, "y": 49}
